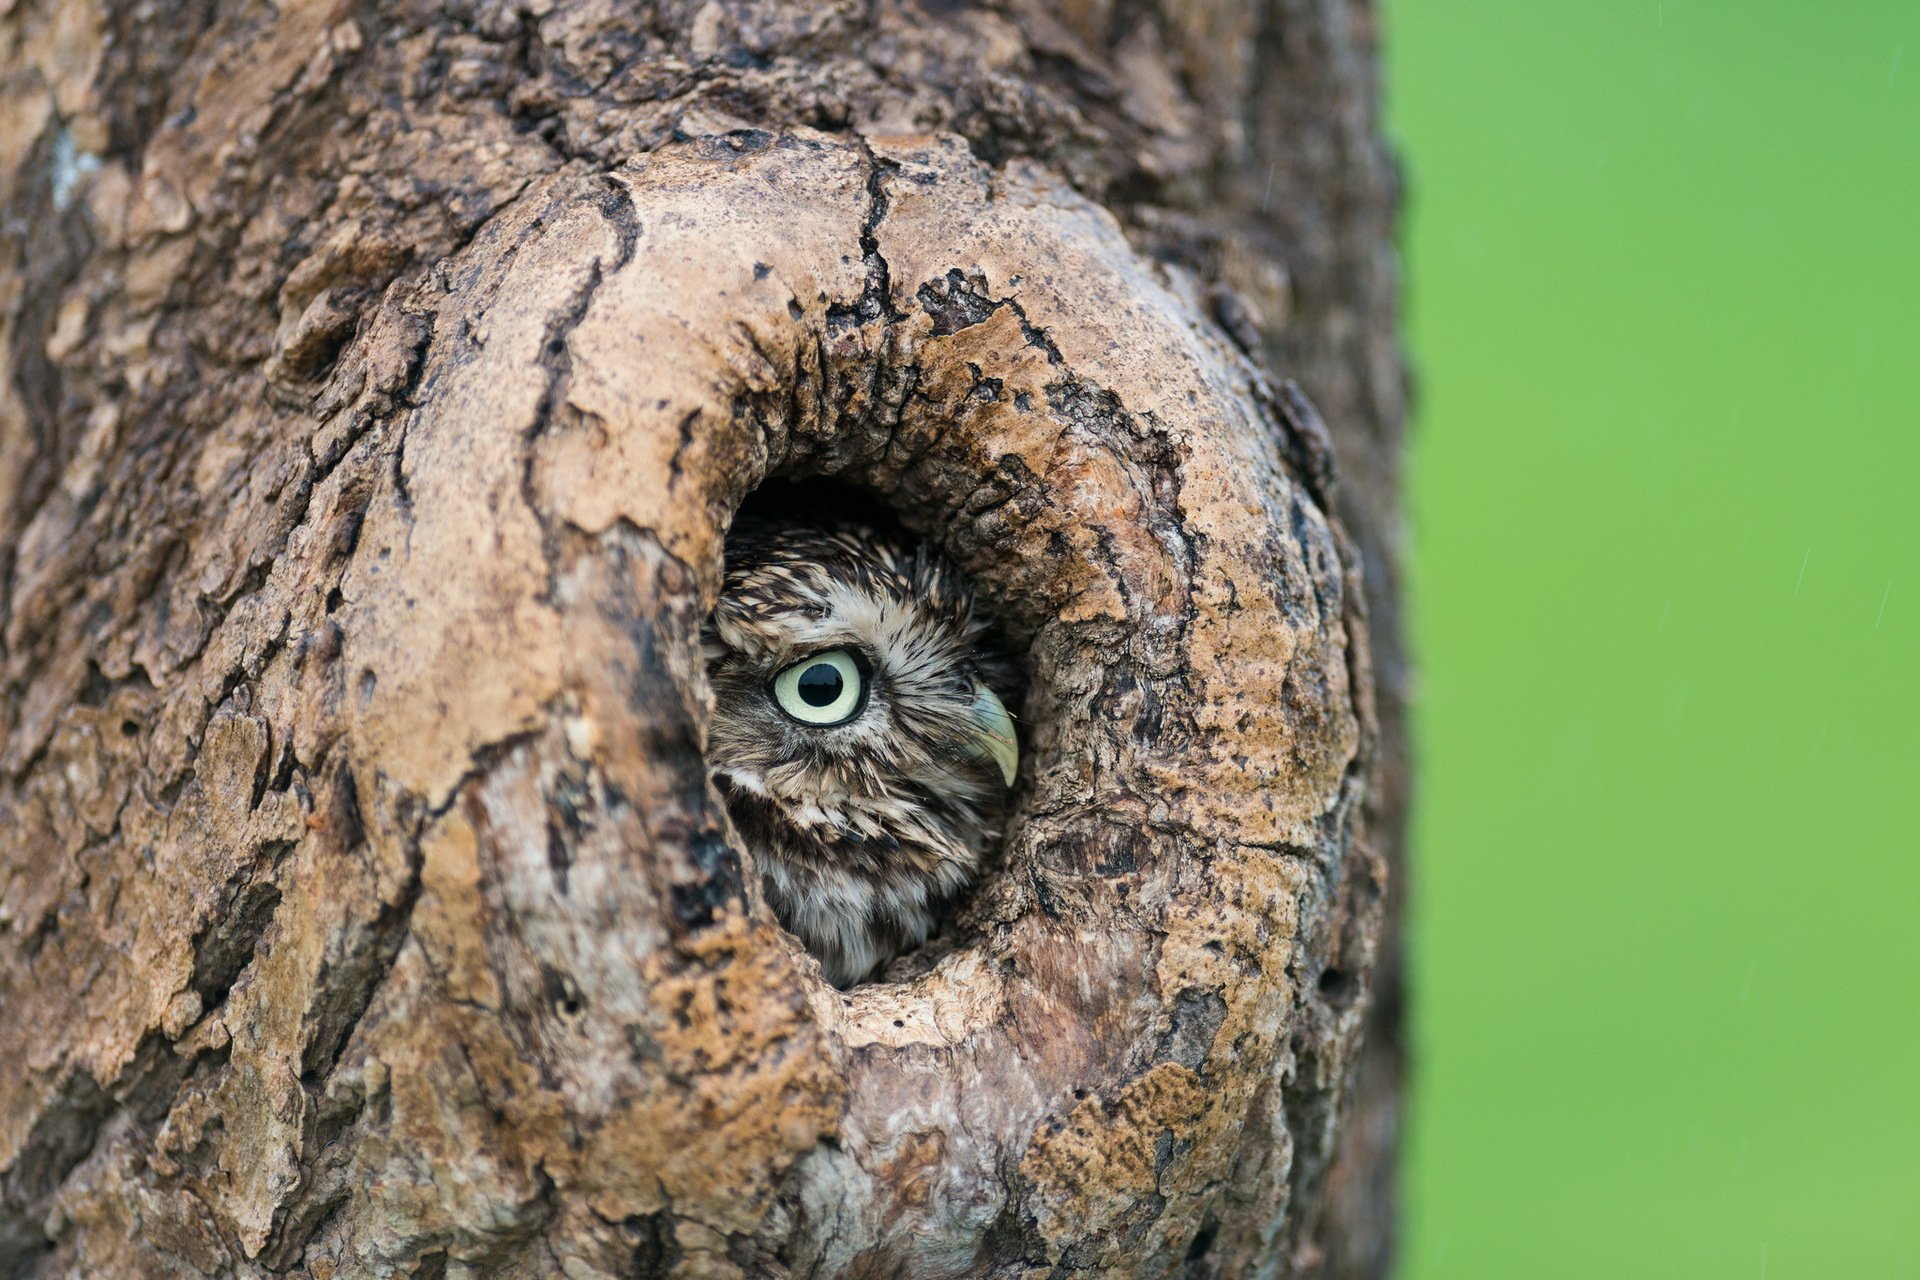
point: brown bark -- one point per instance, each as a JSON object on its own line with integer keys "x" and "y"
{"x": 376, "y": 385}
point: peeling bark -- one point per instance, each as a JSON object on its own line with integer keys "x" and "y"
{"x": 377, "y": 384}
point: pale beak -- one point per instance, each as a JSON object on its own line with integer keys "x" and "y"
{"x": 992, "y": 736}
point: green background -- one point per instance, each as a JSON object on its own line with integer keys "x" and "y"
{"x": 1663, "y": 280}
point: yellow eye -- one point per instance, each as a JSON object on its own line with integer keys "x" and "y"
{"x": 825, "y": 689}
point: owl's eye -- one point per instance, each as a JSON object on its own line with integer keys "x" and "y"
{"x": 825, "y": 689}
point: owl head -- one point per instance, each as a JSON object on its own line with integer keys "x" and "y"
{"x": 857, "y": 734}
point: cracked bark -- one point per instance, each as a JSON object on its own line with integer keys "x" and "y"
{"x": 376, "y": 384}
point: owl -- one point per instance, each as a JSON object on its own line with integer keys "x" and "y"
{"x": 857, "y": 735}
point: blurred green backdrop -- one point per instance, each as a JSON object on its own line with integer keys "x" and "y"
{"x": 1663, "y": 264}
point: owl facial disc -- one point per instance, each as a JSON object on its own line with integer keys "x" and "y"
{"x": 863, "y": 756}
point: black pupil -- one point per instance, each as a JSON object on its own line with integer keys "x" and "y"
{"x": 820, "y": 685}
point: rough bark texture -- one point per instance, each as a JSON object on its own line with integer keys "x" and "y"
{"x": 376, "y": 385}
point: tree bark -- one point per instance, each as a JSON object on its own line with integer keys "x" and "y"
{"x": 377, "y": 384}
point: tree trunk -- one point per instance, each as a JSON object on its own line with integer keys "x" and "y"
{"x": 377, "y": 384}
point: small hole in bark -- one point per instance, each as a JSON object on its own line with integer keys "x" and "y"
{"x": 334, "y": 599}
{"x": 128, "y": 728}
{"x": 1337, "y": 987}
{"x": 655, "y": 1250}
{"x": 1204, "y": 1241}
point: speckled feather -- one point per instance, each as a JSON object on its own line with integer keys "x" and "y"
{"x": 864, "y": 833}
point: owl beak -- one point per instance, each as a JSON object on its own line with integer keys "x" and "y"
{"x": 992, "y": 736}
